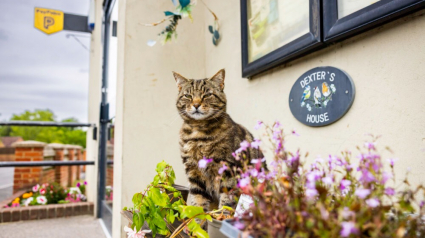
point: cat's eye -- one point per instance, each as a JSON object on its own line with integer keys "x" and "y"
{"x": 187, "y": 96}
{"x": 208, "y": 95}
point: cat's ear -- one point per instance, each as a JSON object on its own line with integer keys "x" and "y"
{"x": 180, "y": 80}
{"x": 218, "y": 78}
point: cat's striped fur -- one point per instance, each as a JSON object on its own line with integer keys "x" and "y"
{"x": 208, "y": 131}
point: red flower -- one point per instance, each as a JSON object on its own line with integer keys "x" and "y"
{"x": 42, "y": 191}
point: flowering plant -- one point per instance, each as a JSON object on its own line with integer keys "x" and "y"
{"x": 332, "y": 197}
{"x": 160, "y": 205}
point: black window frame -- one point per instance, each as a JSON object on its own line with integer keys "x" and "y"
{"x": 372, "y": 16}
{"x": 295, "y": 49}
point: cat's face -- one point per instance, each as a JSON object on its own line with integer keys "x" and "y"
{"x": 201, "y": 99}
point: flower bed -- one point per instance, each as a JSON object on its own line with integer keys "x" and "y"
{"x": 49, "y": 194}
{"x": 46, "y": 201}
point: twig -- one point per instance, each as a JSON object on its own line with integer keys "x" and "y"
{"x": 155, "y": 23}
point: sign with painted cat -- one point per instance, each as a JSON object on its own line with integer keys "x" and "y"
{"x": 321, "y": 96}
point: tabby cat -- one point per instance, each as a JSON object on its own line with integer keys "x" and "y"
{"x": 208, "y": 131}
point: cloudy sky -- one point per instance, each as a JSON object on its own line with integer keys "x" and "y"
{"x": 39, "y": 71}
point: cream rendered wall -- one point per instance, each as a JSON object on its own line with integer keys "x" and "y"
{"x": 92, "y": 146}
{"x": 387, "y": 66}
{"x": 147, "y": 123}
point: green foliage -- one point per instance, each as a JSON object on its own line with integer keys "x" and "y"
{"x": 62, "y": 135}
{"x": 55, "y": 193}
{"x": 161, "y": 203}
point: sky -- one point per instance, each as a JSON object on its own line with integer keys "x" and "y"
{"x": 40, "y": 71}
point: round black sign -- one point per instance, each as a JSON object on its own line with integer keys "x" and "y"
{"x": 321, "y": 96}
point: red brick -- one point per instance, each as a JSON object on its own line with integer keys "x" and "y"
{"x": 16, "y": 214}
{"x": 42, "y": 213}
{"x": 22, "y": 170}
{"x": 51, "y": 211}
{"x": 23, "y": 149}
{"x": 17, "y": 176}
{"x": 37, "y": 170}
{"x": 19, "y": 153}
{"x": 33, "y": 154}
{"x": 34, "y": 213}
{"x": 25, "y": 213}
{"x": 60, "y": 211}
{"x": 69, "y": 210}
{"x": 38, "y": 148}
{"x": 6, "y": 215}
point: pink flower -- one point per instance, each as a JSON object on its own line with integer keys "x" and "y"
{"x": 311, "y": 193}
{"x": 372, "y": 202}
{"x": 78, "y": 185}
{"x": 254, "y": 172}
{"x": 390, "y": 191}
{"x": 134, "y": 233}
{"x": 204, "y": 162}
{"x": 362, "y": 193}
{"x": 256, "y": 144}
{"x": 347, "y": 213}
{"x": 370, "y": 145}
{"x": 276, "y": 125}
{"x": 256, "y": 161}
{"x": 244, "y": 182}
{"x": 295, "y": 133}
{"x": 85, "y": 182}
{"x": 36, "y": 188}
{"x": 41, "y": 200}
{"x": 239, "y": 225}
{"x": 222, "y": 169}
{"x": 344, "y": 184}
{"x": 244, "y": 145}
{"x": 258, "y": 125}
{"x": 348, "y": 228}
{"x": 42, "y": 191}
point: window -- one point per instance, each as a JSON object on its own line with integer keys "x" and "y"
{"x": 277, "y": 31}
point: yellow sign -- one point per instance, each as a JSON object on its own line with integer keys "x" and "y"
{"x": 47, "y": 20}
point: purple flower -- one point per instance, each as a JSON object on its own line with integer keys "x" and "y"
{"x": 367, "y": 176}
{"x": 370, "y": 145}
{"x": 254, "y": 172}
{"x": 244, "y": 182}
{"x": 244, "y": 145}
{"x": 327, "y": 180}
{"x": 85, "y": 182}
{"x": 256, "y": 143}
{"x": 295, "y": 133}
{"x": 258, "y": 125}
{"x": 392, "y": 161}
{"x": 204, "y": 162}
{"x": 386, "y": 176}
{"x": 239, "y": 225}
{"x": 222, "y": 169}
{"x": 422, "y": 204}
{"x": 348, "y": 228}
{"x": 362, "y": 193}
{"x": 372, "y": 202}
{"x": 344, "y": 184}
{"x": 390, "y": 191}
{"x": 276, "y": 125}
{"x": 78, "y": 185}
{"x": 311, "y": 193}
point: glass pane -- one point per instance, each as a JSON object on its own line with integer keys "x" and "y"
{"x": 275, "y": 23}
{"x": 346, "y": 7}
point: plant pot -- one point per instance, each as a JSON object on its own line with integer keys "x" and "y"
{"x": 214, "y": 229}
{"x": 228, "y": 230}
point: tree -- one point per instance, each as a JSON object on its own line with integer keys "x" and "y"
{"x": 64, "y": 135}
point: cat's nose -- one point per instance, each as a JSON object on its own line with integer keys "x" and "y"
{"x": 196, "y": 105}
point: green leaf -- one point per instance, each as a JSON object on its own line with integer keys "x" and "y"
{"x": 190, "y": 211}
{"x": 170, "y": 188}
{"x": 168, "y": 13}
{"x": 211, "y": 29}
{"x": 138, "y": 220}
{"x": 137, "y": 199}
{"x": 201, "y": 233}
{"x": 184, "y": 3}
{"x": 227, "y": 208}
{"x": 216, "y": 35}
{"x": 159, "y": 221}
{"x": 170, "y": 216}
{"x": 157, "y": 197}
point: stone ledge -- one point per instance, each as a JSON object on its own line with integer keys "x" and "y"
{"x": 45, "y": 211}
{"x": 28, "y": 144}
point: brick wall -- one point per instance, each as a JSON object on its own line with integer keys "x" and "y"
{"x": 26, "y": 177}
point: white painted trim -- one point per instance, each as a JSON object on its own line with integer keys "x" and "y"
{"x": 104, "y": 228}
